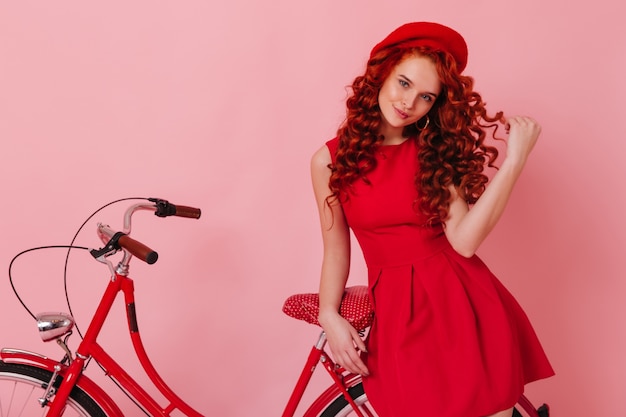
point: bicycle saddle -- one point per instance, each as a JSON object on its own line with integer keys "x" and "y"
{"x": 355, "y": 307}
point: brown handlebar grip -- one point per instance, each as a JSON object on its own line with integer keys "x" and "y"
{"x": 190, "y": 212}
{"x": 138, "y": 249}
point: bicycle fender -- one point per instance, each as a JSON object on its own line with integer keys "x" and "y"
{"x": 25, "y": 357}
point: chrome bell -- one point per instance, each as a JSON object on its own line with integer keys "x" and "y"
{"x": 54, "y": 325}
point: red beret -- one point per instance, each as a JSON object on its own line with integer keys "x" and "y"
{"x": 434, "y": 35}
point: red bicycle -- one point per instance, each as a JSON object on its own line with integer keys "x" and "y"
{"x": 32, "y": 384}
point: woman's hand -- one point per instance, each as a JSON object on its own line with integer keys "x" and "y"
{"x": 523, "y": 133}
{"x": 344, "y": 342}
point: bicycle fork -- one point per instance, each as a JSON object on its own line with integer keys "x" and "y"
{"x": 319, "y": 355}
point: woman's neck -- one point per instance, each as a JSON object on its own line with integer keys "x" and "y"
{"x": 393, "y": 136}
{"x": 393, "y": 139}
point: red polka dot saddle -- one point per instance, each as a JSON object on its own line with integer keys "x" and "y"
{"x": 355, "y": 307}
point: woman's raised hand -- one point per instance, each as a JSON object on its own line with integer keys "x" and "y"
{"x": 345, "y": 343}
{"x": 523, "y": 133}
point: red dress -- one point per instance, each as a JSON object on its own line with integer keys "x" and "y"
{"x": 448, "y": 339}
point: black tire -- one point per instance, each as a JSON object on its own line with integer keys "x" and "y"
{"x": 24, "y": 384}
{"x": 340, "y": 407}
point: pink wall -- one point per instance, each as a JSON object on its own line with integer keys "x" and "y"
{"x": 220, "y": 105}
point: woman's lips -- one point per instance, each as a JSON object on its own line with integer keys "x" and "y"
{"x": 401, "y": 113}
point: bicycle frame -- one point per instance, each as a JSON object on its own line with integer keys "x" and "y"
{"x": 89, "y": 348}
{"x": 340, "y": 382}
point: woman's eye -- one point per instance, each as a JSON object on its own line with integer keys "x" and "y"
{"x": 427, "y": 97}
{"x": 404, "y": 83}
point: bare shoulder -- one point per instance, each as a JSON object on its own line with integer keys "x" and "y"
{"x": 320, "y": 172}
{"x": 321, "y": 158}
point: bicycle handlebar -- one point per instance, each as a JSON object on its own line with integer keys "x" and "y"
{"x": 189, "y": 212}
{"x": 138, "y": 249}
{"x": 117, "y": 240}
{"x": 121, "y": 240}
{"x": 164, "y": 208}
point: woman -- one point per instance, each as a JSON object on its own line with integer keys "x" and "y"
{"x": 405, "y": 168}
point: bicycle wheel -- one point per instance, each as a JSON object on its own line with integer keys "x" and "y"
{"x": 339, "y": 407}
{"x": 524, "y": 409}
{"x": 22, "y": 385}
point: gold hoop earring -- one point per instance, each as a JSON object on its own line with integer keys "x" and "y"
{"x": 425, "y": 124}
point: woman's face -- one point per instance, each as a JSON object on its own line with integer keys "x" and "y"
{"x": 408, "y": 93}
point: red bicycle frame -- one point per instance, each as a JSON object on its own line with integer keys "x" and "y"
{"x": 341, "y": 385}
{"x": 90, "y": 348}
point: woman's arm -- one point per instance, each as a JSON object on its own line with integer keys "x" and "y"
{"x": 342, "y": 337}
{"x": 466, "y": 229}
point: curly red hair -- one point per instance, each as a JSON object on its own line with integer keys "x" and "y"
{"x": 451, "y": 149}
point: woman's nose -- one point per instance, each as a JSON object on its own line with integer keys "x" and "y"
{"x": 408, "y": 101}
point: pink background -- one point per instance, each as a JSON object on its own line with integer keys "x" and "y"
{"x": 221, "y": 104}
